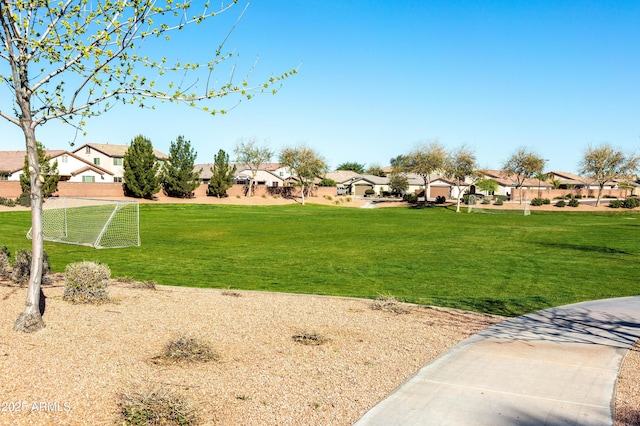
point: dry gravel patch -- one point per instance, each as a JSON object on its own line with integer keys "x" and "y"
{"x": 73, "y": 371}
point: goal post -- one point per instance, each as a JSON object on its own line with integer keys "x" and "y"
{"x": 91, "y": 222}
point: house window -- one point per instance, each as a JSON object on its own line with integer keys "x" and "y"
{"x": 64, "y": 159}
{"x": 117, "y": 179}
{"x": 117, "y": 161}
{"x": 88, "y": 179}
{"x": 87, "y": 150}
{"x": 96, "y": 161}
{"x": 4, "y": 177}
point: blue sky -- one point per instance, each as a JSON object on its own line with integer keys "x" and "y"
{"x": 378, "y": 78}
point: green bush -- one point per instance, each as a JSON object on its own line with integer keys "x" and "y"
{"x": 411, "y": 198}
{"x": 327, "y": 182}
{"x": 486, "y": 201}
{"x": 537, "y": 202}
{"x": 86, "y": 282}
{"x": 22, "y": 267}
{"x": 578, "y": 196}
{"x": 573, "y": 202}
{"x": 369, "y": 192}
{"x": 24, "y": 199}
{"x": 498, "y": 202}
{"x": 615, "y": 204}
{"x": 501, "y": 197}
{"x": 631, "y": 203}
{"x": 5, "y": 265}
{"x": 7, "y": 202}
{"x": 561, "y": 203}
{"x": 440, "y": 199}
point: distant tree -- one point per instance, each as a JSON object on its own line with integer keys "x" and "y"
{"x": 398, "y": 183}
{"x": 603, "y": 164}
{"x": 522, "y": 165}
{"x": 141, "y": 178}
{"x": 461, "y": 168}
{"x": 304, "y": 164}
{"x": 327, "y": 182}
{"x": 49, "y": 175}
{"x": 375, "y": 170}
{"x": 221, "y": 175}
{"x": 352, "y": 166}
{"x": 250, "y": 154}
{"x": 424, "y": 161}
{"x": 487, "y": 185}
{"x": 178, "y": 177}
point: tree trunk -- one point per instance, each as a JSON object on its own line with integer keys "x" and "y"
{"x": 302, "y": 192}
{"x": 600, "y": 188}
{"x": 31, "y": 319}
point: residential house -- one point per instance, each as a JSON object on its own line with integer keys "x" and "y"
{"x": 70, "y": 167}
{"x": 109, "y": 157}
{"x": 270, "y": 175}
{"x": 507, "y": 185}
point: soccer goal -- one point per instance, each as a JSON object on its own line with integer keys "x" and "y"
{"x": 91, "y": 222}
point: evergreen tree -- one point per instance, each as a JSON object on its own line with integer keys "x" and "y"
{"x": 178, "y": 177}
{"x": 222, "y": 175}
{"x": 141, "y": 167}
{"x": 48, "y": 171}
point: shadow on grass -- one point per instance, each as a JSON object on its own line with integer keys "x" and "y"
{"x": 595, "y": 249}
{"x": 503, "y": 307}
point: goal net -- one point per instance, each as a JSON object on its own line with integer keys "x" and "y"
{"x": 527, "y": 206}
{"x": 91, "y": 222}
{"x": 472, "y": 203}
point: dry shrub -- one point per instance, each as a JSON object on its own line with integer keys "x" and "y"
{"x": 144, "y": 285}
{"x": 160, "y": 406}
{"x": 5, "y": 265}
{"x": 86, "y": 282}
{"x": 229, "y": 292}
{"x": 22, "y": 267}
{"x": 186, "y": 349}
{"x": 309, "y": 339}
{"x": 389, "y": 304}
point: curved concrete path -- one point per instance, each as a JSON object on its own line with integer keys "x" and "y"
{"x": 553, "y": 367}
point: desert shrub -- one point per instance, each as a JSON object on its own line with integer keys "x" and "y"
{"x": 486, "y": 201}
{"x": 349, "y": 199}
{"x": 411, "y": 198}
{"x": 578, "y": 196}
{"x": 615, "y": 204}
{"x": 498, "y": 202}
{"x": 24, "y": 199}
{"x": 5, "y": 264}
{"x": 369, "y": 192}
{"x": 7, "y": 202}
{"x": 187, "y": 349}
{"x": 537, "y": 202}
{"x": 546, "y": 201}
{"x": 561, "y": 203}
{"x": 328, "y": 197}
{"x": 631, "y": 203}
{"x": 327, "y": 182}
{"x": 501, "y": 197}
{"x": 389, "y": 304}
{"x": 22, "y": 267}
{"x": 309, "y": 339}
{"x": 573, "y": 202}
{"x": 440, "y": 199}
{"x": 159, "y": 406}
{"x": 86, "y": 282}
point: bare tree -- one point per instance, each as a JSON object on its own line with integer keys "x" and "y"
{"x": 74, "y": 59}
{"x": 603, "y": 164}
{"x": 304, "y": 164}
{"x": 424, "y": 161}
{"x": 253, "y": 156}
{"x": 522, "y": 165}
{"x": 461, "y": 168}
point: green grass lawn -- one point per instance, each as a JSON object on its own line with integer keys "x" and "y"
{"x": 496, "y": 262}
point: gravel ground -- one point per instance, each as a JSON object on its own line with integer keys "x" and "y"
{"x": 73, "y": 371}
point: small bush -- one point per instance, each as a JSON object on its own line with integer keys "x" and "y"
{"x": 7, "y": 202}
{"x": 578, "y": 196}
{"x": 537, "y": 202}
{"x": 411, "y": 198}
{"x": 24, "y": 199}
{"x": 156, "y": 407}
{"x": 86, "y": 282}
{"x": 573, "y": 202}
{"x": 389, "y": 304}
{"x": 498, "y": 202}
{"x": 309, "y": 339}
{"x": 631, "y": 203}
{"x": 561, "y": 203}
{"x": 186, "y": 349}
{"x": 349, "y": 199}
{"x": 486, "y": 201}
{"x": 22, "y": 267}
{"x": 440, "y": 199}
{"x": 328, "y": 197}
{"x": 369, "y": 192}
{"x": 615, "y": 204}
{"x": 5, "y": 264}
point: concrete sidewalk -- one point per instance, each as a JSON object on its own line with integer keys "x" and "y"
{"x": 553, "y": 367}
